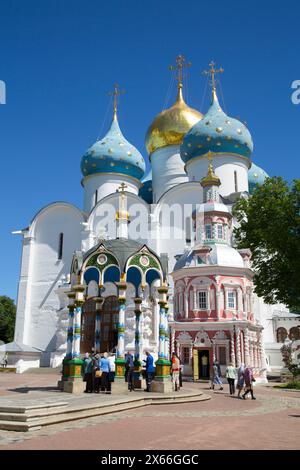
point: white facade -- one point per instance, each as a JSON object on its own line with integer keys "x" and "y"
{"x": 167, "y": 170}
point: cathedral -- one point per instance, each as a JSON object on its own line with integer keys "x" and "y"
{"x": 149, "y": 263}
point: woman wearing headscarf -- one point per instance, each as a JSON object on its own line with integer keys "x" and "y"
{"x": 249, "y": 379}
{"x": 241, "y": 379}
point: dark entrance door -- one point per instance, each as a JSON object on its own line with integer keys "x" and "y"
{"x": 204, "y": 365}
{"x": 109, "y": 324}
{"x": 88, "y": 317}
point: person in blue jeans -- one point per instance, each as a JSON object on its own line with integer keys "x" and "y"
{"x": 105, "y": 369}
{"x": 150, "y": 370}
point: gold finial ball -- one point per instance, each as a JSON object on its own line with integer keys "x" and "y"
{"x": 170, "y": 126}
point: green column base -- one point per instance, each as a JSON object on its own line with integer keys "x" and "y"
{"x": 120, "y": 368}
{"x": 163, "y": 369}
{"x": 74, "y": 367}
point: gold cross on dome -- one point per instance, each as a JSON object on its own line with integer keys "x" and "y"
{"x": 116, "y": 93}
{"x": 122, "y": 188}
{"x": 180, "y": 65}
{"x": 212, "y": 72}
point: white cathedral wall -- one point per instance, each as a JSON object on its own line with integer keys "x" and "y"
{"x": 167, "y": 170}
{"x": 225, "y": 166}
{"x": 105, "y": 184}
{"x": 38, "y": 304}
{"x": 102, "y": 220}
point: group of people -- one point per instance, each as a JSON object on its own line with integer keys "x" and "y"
{"x": 243, "y": 375}
{"x": 99, "y": 372}
{"x": 149, "y": 370}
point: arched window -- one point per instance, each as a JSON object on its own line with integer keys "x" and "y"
{"x": 294, "y": 333}
{"x": 281, "y": 335}
{"x": 235, "y": 182}
{"x": 60, "y": 246}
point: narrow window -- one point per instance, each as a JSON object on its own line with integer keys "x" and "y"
{"x": 235, "y": 182}
{"x": 60, "y": 245}
{"x": 231, "y": 300}
{"x": 220, "y": 231}
{"x": 202, "y": 300}
{"x": 96, "y": 196}
{"x": 208, "y": 233}
{"x": 186, "y": 356}
{"x": 188, "y": 231}
{"x": 222, "y": 356}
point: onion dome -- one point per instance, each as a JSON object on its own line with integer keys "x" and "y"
{"x": 256, "y": 176}
{"x": 113, "y": 154}
{"x": 145, "y": 191}
{"x": 217, "y": 133}
{"x": 170, "y": 126}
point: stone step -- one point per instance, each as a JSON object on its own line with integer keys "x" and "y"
{"x": 36, "y": 416}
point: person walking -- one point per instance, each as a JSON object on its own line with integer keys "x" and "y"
{"x": 88, "y": 373}
{"x": 150, "y": 370}
{"x": 216, "y": 376}
{"x": 249, "y": 379}
{"x": 240, "y": 380}
{"x": 231, "y": 376}
{"x": 129, "y": 371}
{"x": 175, "y": 368}
{"x": 105, "y": 369}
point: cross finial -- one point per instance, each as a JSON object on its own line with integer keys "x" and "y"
{"x": 122, "y": 188}
{"x": 212, "y": 72}
{"x": 116, "y": 93}
{"x": 180, "y": 65}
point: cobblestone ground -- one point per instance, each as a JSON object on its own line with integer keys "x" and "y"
{"x": 270, "y": 422}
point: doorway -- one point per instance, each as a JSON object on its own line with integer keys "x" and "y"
{"x": 109, "y": 324}
{"x": 204, "y": 364}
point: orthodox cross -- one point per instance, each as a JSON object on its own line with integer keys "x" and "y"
{"x": 122, "y": 188}
{"x": 212, "y": 72}
{"x": 180, "y": 65}
{"x": 116, "y": 93}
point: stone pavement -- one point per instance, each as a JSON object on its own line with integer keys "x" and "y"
{"x": 270, "y": 422}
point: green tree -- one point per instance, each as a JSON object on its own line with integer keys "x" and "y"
{"x": 269, "y": 224}
{"x": 7, "y": 318}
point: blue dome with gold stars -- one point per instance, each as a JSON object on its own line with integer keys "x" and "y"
{"x": 113, "y": 154}
{"x": 217, "y": 133}
{"x": 256, "y": 176}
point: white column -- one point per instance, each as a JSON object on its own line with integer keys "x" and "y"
{"x": 186, "y": 303}
{"x": 218, "y": 293}
{"x": 232, "y": 352}
{"x": 172, "y": 340}
{"x": 167, "y": 335}
{"x": 194, "y": 298}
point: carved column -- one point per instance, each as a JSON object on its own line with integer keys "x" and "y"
{"x": 70, "y": 335}
{"x": 232, "y": 351}
{"x": 120, "y": 359}
{"x": 247, "y": 349}
{"x": 238, "y": 346}
{"x": 137, "y": 311}
{"x": 167, "y": 335}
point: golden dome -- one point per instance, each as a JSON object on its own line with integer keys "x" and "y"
{"x": 170, "y": 126}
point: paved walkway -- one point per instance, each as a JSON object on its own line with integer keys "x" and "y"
{"x": 270, "y": 422}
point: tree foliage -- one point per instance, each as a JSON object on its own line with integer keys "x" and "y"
{"x": 7, "y": 319}
{"x": 269, "y": 224}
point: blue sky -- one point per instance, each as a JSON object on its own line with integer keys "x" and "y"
{"x": 60, "y": 58}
